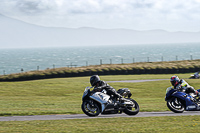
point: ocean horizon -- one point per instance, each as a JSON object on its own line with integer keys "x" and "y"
{"x": 16, "y": 60}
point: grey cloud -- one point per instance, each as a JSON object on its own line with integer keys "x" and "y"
{"x": 88, "y": 6}
{"x": 30, "y": 7}
{"x": 140, "y": 14}
{"x": 33, "y": 7}
{"x": 102, "y": 7}
{"x": 141, "y": 4}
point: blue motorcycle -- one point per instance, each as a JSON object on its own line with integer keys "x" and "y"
{"x": 179, "y": 102}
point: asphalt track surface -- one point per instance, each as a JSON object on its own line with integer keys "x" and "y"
{"x": 83, "y": 116}
{"x": 136, "y": 81}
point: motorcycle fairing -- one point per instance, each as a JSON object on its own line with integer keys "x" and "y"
{"x": 190, "y": 105}
{"x": 101, "y": 98}
{"x": 169, "y": 93}
{"x": 87, "y": 90}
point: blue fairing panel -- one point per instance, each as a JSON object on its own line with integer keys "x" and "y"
{"x": 187, "y": 98}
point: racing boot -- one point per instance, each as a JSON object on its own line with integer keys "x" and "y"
{"x": 120, "y": 98}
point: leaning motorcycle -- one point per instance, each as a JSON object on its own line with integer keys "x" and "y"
{"x": 179, "y": 102}
{"x": 94, "y": 103}
{"x": 193, "y": 77}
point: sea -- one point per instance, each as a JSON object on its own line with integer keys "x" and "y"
{"x": 17, "y": 60}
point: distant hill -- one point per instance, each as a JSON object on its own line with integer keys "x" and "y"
{"x": 16, "y": 33}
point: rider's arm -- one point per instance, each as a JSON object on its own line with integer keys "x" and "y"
{"x": 187, "y": 87}
{"x": 96, "y": 89}
{"x": 103, "y": 85}
{"x": 179, "y": 88}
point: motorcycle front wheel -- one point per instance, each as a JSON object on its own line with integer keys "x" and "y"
{"x": 133, "y": 109}
{"x": 90, "y": 108}
{"x": 175, "y": 105}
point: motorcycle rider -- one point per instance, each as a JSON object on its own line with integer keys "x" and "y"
{"x": 182, "y": 85}
{"x": 99, "y": 85}
{"x": 196, "y": 75}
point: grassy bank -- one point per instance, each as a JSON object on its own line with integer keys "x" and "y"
{"x": 177, "y": 124}
{"x": 184, "y": 66}
{"x": 63, "y": 95}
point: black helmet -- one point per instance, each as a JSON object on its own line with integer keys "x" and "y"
{"x": 94, "y": 79}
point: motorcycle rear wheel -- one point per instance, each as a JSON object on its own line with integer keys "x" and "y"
{"x": 175, "y": 105}
{"x": 132, "y": 110}
{"x": 90, "y": 108}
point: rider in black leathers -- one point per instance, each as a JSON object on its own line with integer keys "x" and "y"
{"x": 99, "y": 85}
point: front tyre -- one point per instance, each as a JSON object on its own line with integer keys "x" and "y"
{"x": 132, "y": 109}
{"x": 175, "y": 105}
{"x": 90, "y": 108}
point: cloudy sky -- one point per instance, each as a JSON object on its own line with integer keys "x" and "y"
{"x": 170, "y": 15}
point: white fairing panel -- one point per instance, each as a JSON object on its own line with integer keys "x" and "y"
{"x": 101, "y": 98}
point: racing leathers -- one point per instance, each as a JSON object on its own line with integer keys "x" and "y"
{"x": 110, "y": 90}
{"x": 185, "y": 87}
{"x": 196, "y": 75}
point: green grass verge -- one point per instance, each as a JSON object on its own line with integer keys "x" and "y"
{"x": 167, "y": 124}
{"x": 64, "y": 95}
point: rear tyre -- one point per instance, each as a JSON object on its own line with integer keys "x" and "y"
{"x": 175, "y": 105}
{"x": 132, "y": 109}
{"x": 90, "y": 108}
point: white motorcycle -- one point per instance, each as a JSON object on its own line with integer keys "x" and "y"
{"x": 95, "y": 103}
{"x": 194, "y": 76}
